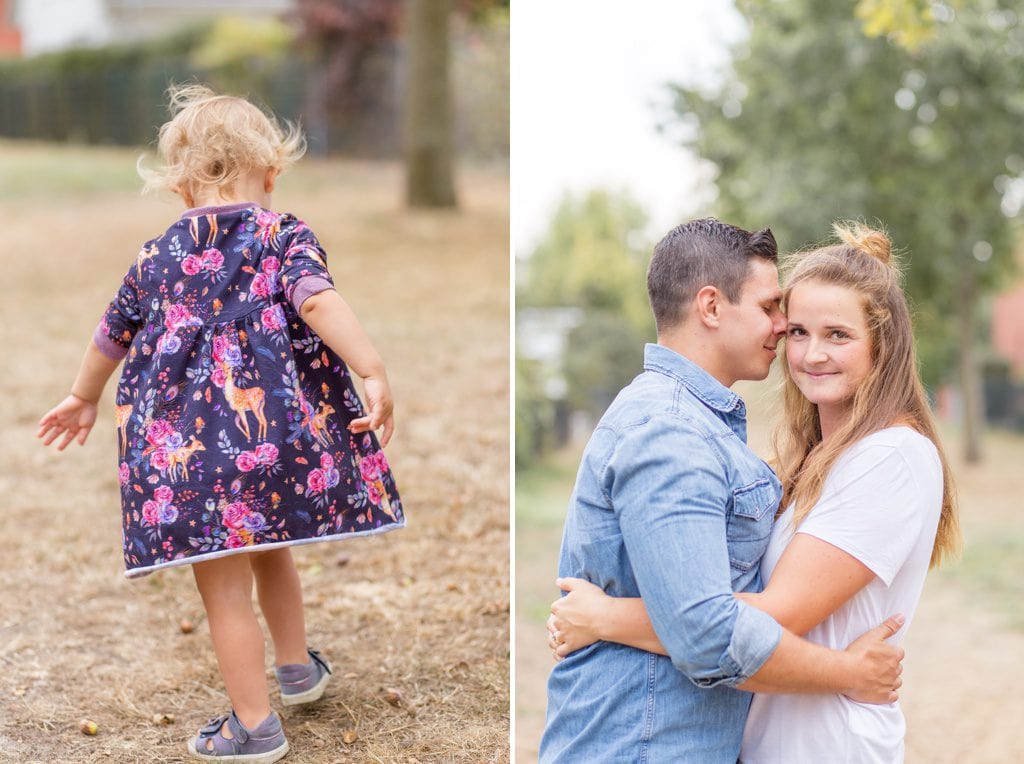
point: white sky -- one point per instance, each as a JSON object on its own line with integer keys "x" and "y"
{"x": 587, "y": 81}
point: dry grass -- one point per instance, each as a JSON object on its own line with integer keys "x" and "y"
{"x": 965, "y": 645}
{"x": 423, "y": 610}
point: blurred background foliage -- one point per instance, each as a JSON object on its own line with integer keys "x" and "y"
{"x": 900, "y": 113}
{"x": 334, "y": 65}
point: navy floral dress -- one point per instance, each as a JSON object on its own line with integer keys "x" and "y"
{"x": 232, "y": 414}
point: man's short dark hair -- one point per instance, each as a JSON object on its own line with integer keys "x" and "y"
{"x": 702, "y": 253}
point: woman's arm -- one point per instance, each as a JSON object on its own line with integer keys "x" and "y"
{"x": 812, "y": 580}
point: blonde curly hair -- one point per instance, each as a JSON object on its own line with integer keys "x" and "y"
{"x": 211, "y": 140}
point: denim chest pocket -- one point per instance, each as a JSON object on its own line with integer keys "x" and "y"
{"x": 749, "y": 523}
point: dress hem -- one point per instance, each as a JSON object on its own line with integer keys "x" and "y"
{"x": 140, "y": 572}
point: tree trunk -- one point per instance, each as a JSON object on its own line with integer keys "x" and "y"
{"x": 428, "y": 121}
{"x": 971, "y": 389}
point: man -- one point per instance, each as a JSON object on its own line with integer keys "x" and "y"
{"x": 670, "y": 505}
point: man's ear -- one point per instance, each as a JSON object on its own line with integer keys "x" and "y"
{"x": 708, "y": 304}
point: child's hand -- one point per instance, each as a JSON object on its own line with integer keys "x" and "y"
{"x": 378, "y": 395}
{"x": 72, "y": 416}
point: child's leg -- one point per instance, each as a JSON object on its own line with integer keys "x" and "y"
{"x": 225, "y": 585}
{"x": 280, "y": 593}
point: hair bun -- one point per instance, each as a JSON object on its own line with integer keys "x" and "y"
{"x": 868, "y": 240}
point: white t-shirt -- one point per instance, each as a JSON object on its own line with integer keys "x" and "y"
{"x": 880, "y": 503}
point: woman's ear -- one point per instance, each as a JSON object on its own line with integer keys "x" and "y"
{"x": 708, "y": 304}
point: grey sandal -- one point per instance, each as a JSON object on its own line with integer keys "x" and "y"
{"x": 262, "y": 745}
{"x": 303, "y": 682}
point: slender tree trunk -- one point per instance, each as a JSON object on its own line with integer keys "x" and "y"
{"x": 428, "y": 120}
{"x": 971, "y": 388}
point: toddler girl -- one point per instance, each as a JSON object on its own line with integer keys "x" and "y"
{"x": 240, "y": 431}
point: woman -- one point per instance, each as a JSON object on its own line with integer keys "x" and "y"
{"x": 868, "y": 503}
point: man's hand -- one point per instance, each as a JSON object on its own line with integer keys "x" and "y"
{"x": 879, "y": 664}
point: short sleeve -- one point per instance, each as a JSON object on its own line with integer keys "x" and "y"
{"x": 121, "y": 321}
{"x": 872, "y": 506}
{"x": 304, "y": 270}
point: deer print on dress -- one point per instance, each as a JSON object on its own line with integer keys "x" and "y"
{"x": 179, "y": 457}
{"x": 242, "y": 400}
{"x": 317, "y": 424}
{"x": 146, "y": 253}
{"x": 121, "y": 415}
{"x": 211, "y": 235}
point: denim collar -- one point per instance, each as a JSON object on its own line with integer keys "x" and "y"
{"x": 706, "y": 388}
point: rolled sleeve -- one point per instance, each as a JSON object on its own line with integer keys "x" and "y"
{"x": 304, "y": 270}
{"x": 669, "y": 491}
{"x": 120, "y": 322}
{"x": 755, "y": 635}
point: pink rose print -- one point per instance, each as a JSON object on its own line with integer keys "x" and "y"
{"x": 149, "y": 512}
{"x": 272, "y": 318}
{"x": 218, "y": 377}
{"x": 234, "y": 541}
{"x": 374, "y": 494}
{"x": 369, "y": 469}
{"x": 266, "y": 454}
{"x": 163, "y": 494}
{"x": 158, "y": 459}
{"x": 246, "y": 461}
{"x": 235, "y": 513}
{"x": 271, "y": 265}
{"x": 191, "y": 265}
{"x": 261, "y": 285}
{"x": 269, "y": 224}
{"x": 159, "y": 431}
{"x": 326, "y": 461}
{"x": 212, "y": 259}
{"x": 177, "y": 315}
{"x": 316, "y": 482}
{"x": 220, "y": 344}
{"x": 123, "y": 474}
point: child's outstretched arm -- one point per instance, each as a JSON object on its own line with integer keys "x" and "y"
{"x": 330, "y": 316}
{"x": 76, "y": 414}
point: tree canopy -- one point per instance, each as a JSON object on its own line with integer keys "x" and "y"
{"x": 818, "y": 121}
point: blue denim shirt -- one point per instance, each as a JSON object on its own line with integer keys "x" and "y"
{"x": 669, "y": 505}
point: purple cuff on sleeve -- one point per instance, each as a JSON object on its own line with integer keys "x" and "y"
{"x": 107, "y": 346}
{"x": 307, "y": 286}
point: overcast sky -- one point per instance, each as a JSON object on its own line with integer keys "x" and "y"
{"x": 588, "y": 88}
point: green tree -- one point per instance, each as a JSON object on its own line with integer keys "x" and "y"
{"x": 593, "y": 256}
{"x": 817, "y": 121}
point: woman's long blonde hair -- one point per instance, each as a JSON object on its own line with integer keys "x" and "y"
{"x": 891, "y": 394}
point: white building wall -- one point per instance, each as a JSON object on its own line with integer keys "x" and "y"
{"x": 51, "y": 25}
